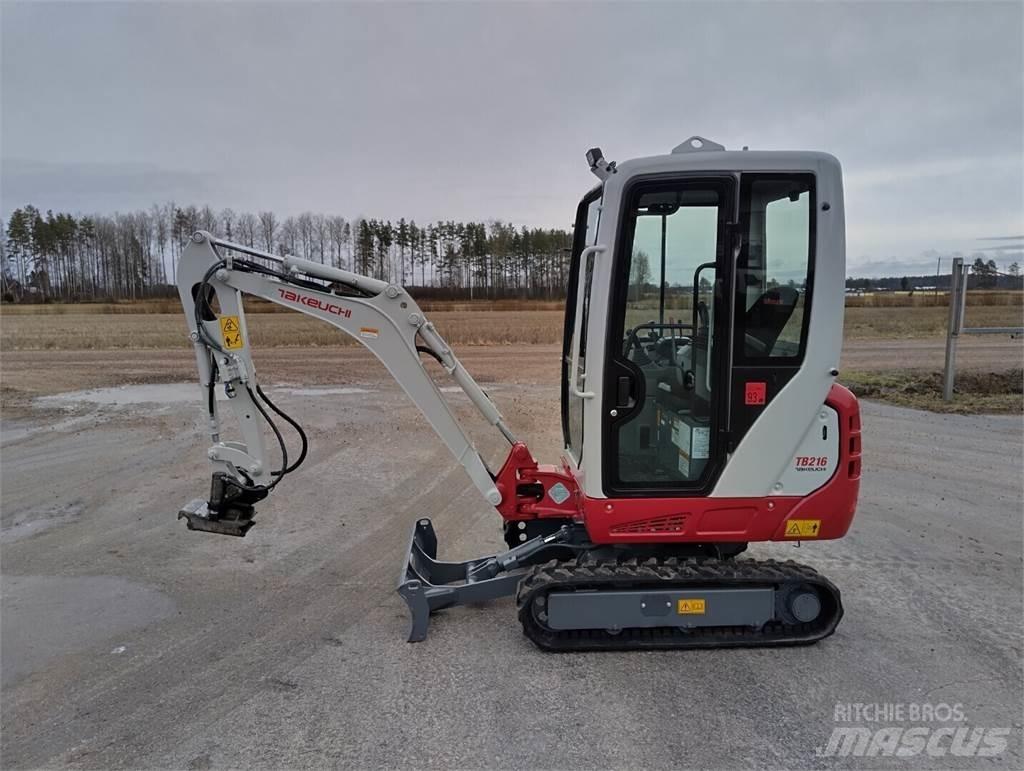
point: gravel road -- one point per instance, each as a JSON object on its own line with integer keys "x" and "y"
{"x": 130, "y": 642}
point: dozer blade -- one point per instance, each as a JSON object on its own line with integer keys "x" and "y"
{"x": 428, "y": 584}
{"x": 197, "y": 516}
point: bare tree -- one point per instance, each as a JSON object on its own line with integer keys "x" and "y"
{"x": 288, "y": 239}
{"x": 247, "y": 227}
{"x": 268, "y": 229}
{"x": 321, "y": 235}
{"x": 227, "y": 224}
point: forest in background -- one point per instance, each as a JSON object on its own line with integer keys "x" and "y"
{"x": 66, "y": 258}
{"x": 132, "y": 256}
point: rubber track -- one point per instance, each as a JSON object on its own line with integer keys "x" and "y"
{"x": 585, "y": 573}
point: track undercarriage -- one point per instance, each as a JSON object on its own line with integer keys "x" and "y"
{"x": 592, "y": 598}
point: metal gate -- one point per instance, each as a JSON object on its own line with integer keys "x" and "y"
{"x": 955, "y": 327}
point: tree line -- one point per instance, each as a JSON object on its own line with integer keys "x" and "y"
{"x": 130, "y": 256}
{"x": 112, "y": 257}
{"x": 984, "y": 274}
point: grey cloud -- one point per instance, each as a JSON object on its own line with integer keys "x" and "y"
{"x": 484, "y": 110}
{"x": 89, "y": 187}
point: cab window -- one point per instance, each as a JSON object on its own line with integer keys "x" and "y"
{"x": 774, "y": 271}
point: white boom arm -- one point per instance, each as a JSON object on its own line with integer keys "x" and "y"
{"x": 385, "y": 319}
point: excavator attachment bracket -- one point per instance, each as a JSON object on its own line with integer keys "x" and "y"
{"x": 197, "y": 516}
{"x": 229, "y": 511}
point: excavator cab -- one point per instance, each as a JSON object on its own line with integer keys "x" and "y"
{"x": 699, "y": 407}
{"x": 703, "y": 264}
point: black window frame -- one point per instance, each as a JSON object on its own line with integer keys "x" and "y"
{"x": 728, "y": 184}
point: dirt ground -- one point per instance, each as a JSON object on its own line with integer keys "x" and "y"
{"x": 129, "y": 642}
{"x": 28, "y": 373}
{"x": 75, "y": 328}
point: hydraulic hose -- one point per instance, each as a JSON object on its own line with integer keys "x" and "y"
{"x": 294, "y": 424}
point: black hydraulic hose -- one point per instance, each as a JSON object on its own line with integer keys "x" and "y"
{"x": 253, "y": 267}
{"x": 285, "y": 468}
{"x": 429, "y": 352}
{"x": 202, "y": 302}
{"x": 211, "y": 386}
{"x": 294, "y": 424}
{"x": 280, "y": 441}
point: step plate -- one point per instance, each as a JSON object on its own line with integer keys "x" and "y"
{"x": 686, "y": 609}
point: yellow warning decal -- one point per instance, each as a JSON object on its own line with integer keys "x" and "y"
{"x": 803, "y": 528}
{"x": 691, "y": 607}
{"x": 231, "y": 331}
{"x": 371, "y": 332}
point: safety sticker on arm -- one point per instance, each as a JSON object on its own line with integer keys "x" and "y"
{"x": 231, "y": 332}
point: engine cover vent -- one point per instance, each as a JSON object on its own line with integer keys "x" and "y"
{"x": 672, "y": 523}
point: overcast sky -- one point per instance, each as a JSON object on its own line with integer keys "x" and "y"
{"x": 481, "y": 111}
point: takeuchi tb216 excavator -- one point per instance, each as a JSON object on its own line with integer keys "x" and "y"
{"x": 700, "y": 411}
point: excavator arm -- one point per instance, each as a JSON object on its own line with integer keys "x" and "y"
{"x": 213, "y": 273}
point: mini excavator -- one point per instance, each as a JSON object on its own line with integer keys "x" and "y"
{"x": 700, "y": 412}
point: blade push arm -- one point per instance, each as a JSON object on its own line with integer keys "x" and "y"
{"x": 381, "y": 316}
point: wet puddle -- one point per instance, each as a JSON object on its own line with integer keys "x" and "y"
{"x": 37, "y": 520}
{"x": 46, "y": 617}
{"x": 323, "y": 391}
{"x": 126, "y": 396}
{"x": 168, "y": 393}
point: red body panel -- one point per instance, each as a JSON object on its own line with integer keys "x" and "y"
{"x": 702, "y": 520}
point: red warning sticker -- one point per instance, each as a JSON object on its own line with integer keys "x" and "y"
{"x": 754, "y": 393}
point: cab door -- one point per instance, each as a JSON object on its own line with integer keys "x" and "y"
{"x": 577, "y": 314}
{"x": 666, "y": 385}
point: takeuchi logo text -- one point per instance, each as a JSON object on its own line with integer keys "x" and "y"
{"x": 315, "y": 302}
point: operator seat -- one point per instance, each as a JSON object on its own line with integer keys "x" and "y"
{"x": 767, "y": 317}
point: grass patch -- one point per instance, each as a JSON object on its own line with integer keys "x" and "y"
{"x": 921, "y": 299}
{"x": 974, "y": 392}
{"x": 1006, "y": 305}
{"x": 166, "y": 305}
{"x": 76, "y": 332}
{"x": 81, "y": 327}
{"x": 924, "y": 321}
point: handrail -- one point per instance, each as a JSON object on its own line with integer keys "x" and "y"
{"x": 575, "y": 383}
